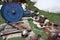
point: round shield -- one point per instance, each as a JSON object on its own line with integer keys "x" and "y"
{"x": 12, "y": 12}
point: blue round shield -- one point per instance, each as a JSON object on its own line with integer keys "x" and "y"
{"x": 12, "y": 12}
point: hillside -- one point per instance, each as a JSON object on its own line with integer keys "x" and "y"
{"x": 51, "y": 16}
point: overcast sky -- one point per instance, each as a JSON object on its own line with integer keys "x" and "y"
{"x": 48, "y": 5}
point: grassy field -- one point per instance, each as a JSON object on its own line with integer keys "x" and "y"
{"x": 16, "y": 38}
{"x": 1, "y": 38}
{"x": 1, "y": 20}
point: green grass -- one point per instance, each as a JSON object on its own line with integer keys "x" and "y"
{"x": 1, "y": 38}
{"x": 37, "y": 30}
{"x": 1, "y": 20}
{"x": 51, "y": 16}
{"x": 16, "y": 38}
